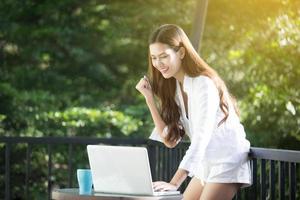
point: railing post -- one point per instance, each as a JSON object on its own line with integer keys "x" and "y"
{"x": 263, "y": 179}
{"x": 165, "y": 164}
{"x": 28, "y": 161}
{"x": 272, "y": 180}
{"x": 281, "y": 181}
{"x": 49, "y": 170}
{"x": 159, "y": 163}
{"x": 292, "y": 181}
{"x": 7, "y": 171}
{"x": 70, "y": 165}
{"x": 254, "y": 179}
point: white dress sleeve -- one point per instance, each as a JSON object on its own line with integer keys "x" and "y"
{"x": 205, "y": 104}
{"x": 155, "y": 135}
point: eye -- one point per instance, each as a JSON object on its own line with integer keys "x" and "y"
{"x": 164, "y": 56}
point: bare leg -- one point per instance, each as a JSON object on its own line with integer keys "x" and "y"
{"x": 193, "y": 190}
{"x": 219, "y": 191}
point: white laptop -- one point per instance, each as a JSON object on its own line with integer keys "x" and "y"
{"x": 122, "y": 170}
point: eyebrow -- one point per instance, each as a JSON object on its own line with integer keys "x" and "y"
{"x": 160, "y": 54}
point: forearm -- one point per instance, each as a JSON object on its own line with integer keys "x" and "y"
{"x": 158, "y": 121}
{"x": 179, "y": 177}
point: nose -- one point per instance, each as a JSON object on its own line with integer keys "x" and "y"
{"x": 158, "y": 63}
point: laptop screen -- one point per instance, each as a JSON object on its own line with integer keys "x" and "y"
{"x": 120, "y": 169}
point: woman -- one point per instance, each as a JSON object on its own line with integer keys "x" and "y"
{"x": 194, "y": 101}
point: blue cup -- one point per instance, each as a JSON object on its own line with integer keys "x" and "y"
{"x": 85, "y": 182}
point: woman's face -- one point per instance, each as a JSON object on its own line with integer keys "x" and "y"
{"x": 165, "y": 59}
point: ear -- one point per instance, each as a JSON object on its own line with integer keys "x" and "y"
{"x": 181, "y": 52}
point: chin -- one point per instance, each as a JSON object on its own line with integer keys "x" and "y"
{"x": 167, "y": 76}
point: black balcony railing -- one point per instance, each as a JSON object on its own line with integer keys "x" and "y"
{"x": 32, "y": 167}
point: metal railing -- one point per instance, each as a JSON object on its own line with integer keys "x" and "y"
{"x": 32, "y": 167}
{"x": 274, "y": 174}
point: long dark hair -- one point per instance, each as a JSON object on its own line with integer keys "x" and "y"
{"x": 193, "y": 65}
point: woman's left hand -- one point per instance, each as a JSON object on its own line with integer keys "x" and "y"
{"x": 163, "y": 186}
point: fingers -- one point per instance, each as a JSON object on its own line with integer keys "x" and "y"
{"x": 145, "y": 89}
{"x": 157, "y": 183}
{"x": 163, "y": 186}
{"x": 157, "y": 186}
{"x": 143, "y": 83}
{"x": 146, "y": 78}
{"x": 147, "y": 83}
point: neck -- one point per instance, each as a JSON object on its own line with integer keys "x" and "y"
{"x": 179, "y": 76}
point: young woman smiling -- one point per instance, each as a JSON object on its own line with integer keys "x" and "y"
{"x": 193, "y": 100}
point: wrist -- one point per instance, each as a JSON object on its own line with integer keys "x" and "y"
{"x": 179, "y": 177}
{"x": 149, "y": 100}
{"x": 175, "y": 184}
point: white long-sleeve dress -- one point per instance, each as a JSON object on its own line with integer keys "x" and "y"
{"x": 217, "y": 154}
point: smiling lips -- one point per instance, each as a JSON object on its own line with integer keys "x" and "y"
{"x": 164, "y": 70}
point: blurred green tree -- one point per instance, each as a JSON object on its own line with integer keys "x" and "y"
{"x": 69, "y": 68}
{"x": 256, "y": 49}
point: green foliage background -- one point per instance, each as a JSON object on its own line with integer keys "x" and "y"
{"x": 69, "y": 68}
{"x": 255, "y": 46}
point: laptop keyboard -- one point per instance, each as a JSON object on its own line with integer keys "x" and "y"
{"x": 162, "y": 193}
